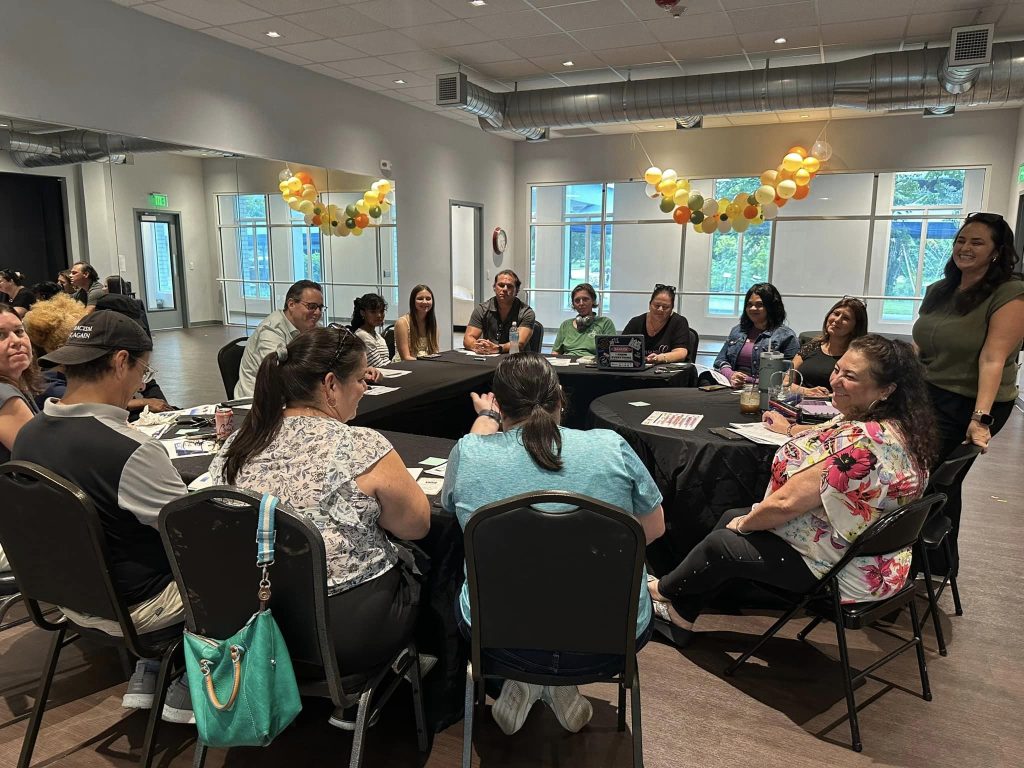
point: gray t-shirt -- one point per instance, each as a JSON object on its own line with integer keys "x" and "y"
{"x": 9, "y": 392}
{"x": 487, "y": 318}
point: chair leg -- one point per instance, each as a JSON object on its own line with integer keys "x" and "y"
{"x": 163, "y": 682}
{"x": 467, "y": 721}
{"x": 926, "y": 691}
{"x": 43, "y": 692}
{"x": 199, "y": 756}
{"x": 622, "y": 705}
{"x": 952, "y": 578}
{"x": 844, "y": 659}
{"x": 417, "y": 701}
{"x": 356, "y": 758}
{"x": 933, "y": 606}
{"x": 763, "y": 639}
{"x": 634, "y": 713}
{"x": 803, "y": 633}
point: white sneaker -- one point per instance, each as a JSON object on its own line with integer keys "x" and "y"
{"x": 513, "y": 705}
{"x": 572, "y": 710}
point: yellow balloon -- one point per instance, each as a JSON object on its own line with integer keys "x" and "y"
{"x": 768, "y": 178}
{"x": 283, "y": 186}
{"x": 787, "y": 188}
{"x": 792, "y": 161}
{"x": 669, "y": 174}
{"x": 812, "y": 164}
{"x": 681, "y": 196}
{"x": 357, "y": 231}
{"x": 723, "y": 203}
{"x": 732, "y": 210}
{"x": 308, "y": 192}
{"x": 293, "y": 202}
{"x": 699, "y": 226}
{"x": 801, "y": 177}
{"x": 384, "y": 186}
{"x": 683, "y": 184}
{"x": 306, "y": 206}
{"x": 371, "y": 197}
{"x": 652, "y": 175}
{"x": 765, "y": 194}
{"x": 667, "y": 187}
{"x": 362, "y": 207}
{"x": 740, "y": 224}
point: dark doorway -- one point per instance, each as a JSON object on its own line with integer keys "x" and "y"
{"x": 32, "y": 229}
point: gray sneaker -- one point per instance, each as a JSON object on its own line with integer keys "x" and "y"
{"x": 178, "y": 704}
{"x": 141, "y": 686}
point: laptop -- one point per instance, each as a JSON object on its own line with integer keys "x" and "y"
{"x": 621, "y": 353}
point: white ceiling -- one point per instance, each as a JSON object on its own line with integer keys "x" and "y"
{"x": 524, "y": 43}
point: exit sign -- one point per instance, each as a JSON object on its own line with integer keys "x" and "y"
{"x": 157, "y": 200}
{"x": 1020, "y": 173}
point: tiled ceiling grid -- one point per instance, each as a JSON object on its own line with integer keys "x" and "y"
{"x": 396, "y": 47}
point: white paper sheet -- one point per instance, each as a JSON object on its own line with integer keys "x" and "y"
{"x": 561, "y": 362}
{"x": 759, "y": 433}
{"x": 377, "y": 389}
{"x": 393, "y": 373}
{"x": 415, "y": 471}
{"x": 639, "y": 403}
{"x": 437, "y": 471}
{"x": 685, "y": 421}
{"x": 431, "y": 485}
{"x": 184, "y": 447}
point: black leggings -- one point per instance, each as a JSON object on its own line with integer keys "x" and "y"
{"x": 371, "y": 622}
{"x": 953, "y": 415}
{"x": 724, "y": 556}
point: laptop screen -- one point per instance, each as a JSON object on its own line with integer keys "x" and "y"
{"x": 620, "y": 353}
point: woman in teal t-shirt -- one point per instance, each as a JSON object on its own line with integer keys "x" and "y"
{"x": 576, "y": 336}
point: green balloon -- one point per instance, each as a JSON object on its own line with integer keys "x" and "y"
{"x": 351, "y": 211}
{"x": 695, "y": 203}
{"x": 374, "y": 211}
{"x": 350, "y": 222}
{"x": 751, "y": 200}
{"x": 697, "y": 216}
{"x": 667, "y": 205}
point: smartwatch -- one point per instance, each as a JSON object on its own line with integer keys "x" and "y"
{"x": 491, "y": 415}
{"x": 985, "y": 419}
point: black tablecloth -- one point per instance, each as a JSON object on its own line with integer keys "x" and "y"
{"x": 437, "y": 632}
{"x": 700, "y": 474}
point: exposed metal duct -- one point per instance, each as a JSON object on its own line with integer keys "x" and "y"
{"x": 34, "y": 151}
{"x": 970, "y": 48}
{"x": 906, "y": 80}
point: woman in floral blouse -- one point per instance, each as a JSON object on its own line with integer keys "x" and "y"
{"x": 828, "y": 484}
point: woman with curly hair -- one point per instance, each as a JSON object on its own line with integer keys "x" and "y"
{"x": 48, "y": 326}
{"x": 828, "y": 485}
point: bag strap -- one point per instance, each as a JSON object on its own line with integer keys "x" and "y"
{"x": 266, "y": 537}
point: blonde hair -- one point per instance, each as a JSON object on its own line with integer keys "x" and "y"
{"x": 49, "y": 323}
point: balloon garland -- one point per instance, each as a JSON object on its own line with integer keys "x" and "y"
{"x": 300, "y": 193}
{"x": 791, "y": 180}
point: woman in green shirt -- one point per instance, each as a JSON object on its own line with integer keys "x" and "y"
{"x": 968, "y": 334}
{"x": 576, "y": 336}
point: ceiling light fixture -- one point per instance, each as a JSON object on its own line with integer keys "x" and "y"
{"x": 804, "y": 117}
{"x": 478, "y": 3}
{"x": 399, "y": 82}
{"x": 569, "y": 63}
{"x": 780, "y": 40}
{"x": 272, "y": 33}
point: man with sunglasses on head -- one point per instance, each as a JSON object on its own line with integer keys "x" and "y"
{"x": 303, "y": 308}
{"x": 489, "y": 326}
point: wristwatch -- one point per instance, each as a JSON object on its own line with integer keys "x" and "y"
{"x": 985, "y": 419}
{"x": 491, "y": 415}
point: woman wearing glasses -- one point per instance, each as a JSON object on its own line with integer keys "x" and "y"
{"x": 761, "y": 326}
{"x": 846, "y": 321}
{"x": 367, "y": 316}
{"x": 576, "y": 336}
{"x": 348, "y": 480}
{"x": 969, "y": 333}
{"x": 666, "y": 334}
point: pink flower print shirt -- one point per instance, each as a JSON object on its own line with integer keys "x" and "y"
{"x": 866, "y": 473}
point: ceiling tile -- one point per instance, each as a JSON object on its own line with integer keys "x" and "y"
{"x": 653, "y": 71}
{"x": 805, "y": 57}
{"x": 590, "y": 77}
{"x": 479, "y": 53}
{"x": 589, "y": 14}
{"x": 522, "y": 24}
{"x": 257, "y": 32}
{"x": 129, "y": 3}
{"x": 215, "y": 12}
{"x": 447, "y": 34}
{"x": 403, "y": 13}
{"x": 230, "y": 37}
{"x": 423, "y": 93}
{"x": 838, "y": 11}
{"x": 860, "y": 32}
{"x": 291, "y": 6}
{"x": 412, "y": 80}
{"x": 638, "y": 54}
{"x": 938, "y": 25}
{"x": 689, "y": 50}
{"x": 704, "y": 25}
{"x": 284, "y": 56}
{"x": 648, "y": 11}
{"x": 614, "y": 37}
{"x": 335, "y": 22}
{"x": 504, "y": 70}
{"x": 715, "y": 65}
{"x": 325, "y": 70}
{"x": 380, "y": 43}
{"x": 538, "y": 83}
{"x": 366, "y": 67}
{"x": 834, "y": 53}
{"x": 421, "y": 61}
{"x": 764, "y": 41}
{"x": 464, "y": 10}
{"x": 581, "y": 61}
{"x": 322, "y": 51}
{"x": 171, "y": 16}
{"x": 740, "y": 5}
{"x": 544, "y": 45}
{"x": 936, "y": 6}
{"x": 779, "y": 18}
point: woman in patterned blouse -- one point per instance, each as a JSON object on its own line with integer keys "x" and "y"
{"x": 828, "y": 484}
{"x": 348, "y": 480}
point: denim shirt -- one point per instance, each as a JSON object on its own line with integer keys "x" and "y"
{"x": 781, "y": 338}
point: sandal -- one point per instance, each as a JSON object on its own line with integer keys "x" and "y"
{"x": 662, "y": 623}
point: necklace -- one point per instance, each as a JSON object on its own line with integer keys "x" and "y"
{"x": 311, "y": 410}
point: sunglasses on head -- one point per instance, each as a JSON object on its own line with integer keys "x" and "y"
{"x": 662, "y": 287}
{"x": 987, "y": 218}
{"x": 344, "y": 337}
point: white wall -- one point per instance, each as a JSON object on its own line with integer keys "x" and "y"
{"x": 110, "y": 68}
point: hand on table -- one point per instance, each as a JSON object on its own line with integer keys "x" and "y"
{"x": 776, "y": 422}
{"x": 485, "y": 347}
{"x": 738, "y": 379}
{"x": 372, "y": 375}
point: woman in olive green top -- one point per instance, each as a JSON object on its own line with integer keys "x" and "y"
{"x": 576, "y": 336}
{"x": 969, "y": 333}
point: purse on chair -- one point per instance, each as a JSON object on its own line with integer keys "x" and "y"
{"x": 243, "y": 688}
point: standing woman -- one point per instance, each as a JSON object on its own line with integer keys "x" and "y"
{"x": 666, "y": 334}
{"x": 577, "y": 336}
{"x": 17, "y": 295}
{"x": 846, "y": 321}
{"x": 416, "y": 332}
{"x": 367, "y": 316}
{"x": 761, "y": 326}
{"x": 969, "y": 333}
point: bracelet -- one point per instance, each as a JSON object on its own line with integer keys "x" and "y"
{"x": 789, "y": 430}
{"x": 491, "y": 415}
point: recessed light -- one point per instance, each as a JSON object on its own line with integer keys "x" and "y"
{"x": 569, "y": 63}
{"x": 272, "y": 33}
{"x": 399, "y": 82}
{"x": 780, "y": 40}
{"x": 804, "y": 117}
{"x": 478, "y": 3}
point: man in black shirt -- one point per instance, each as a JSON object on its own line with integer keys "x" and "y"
{"x": 489, "y": 325}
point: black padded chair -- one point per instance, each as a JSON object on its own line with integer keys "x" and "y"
{"x": 901, "y": 528}
{"x": 935, "y": 534}
{"x": 210, "y": 541}
{"x": 57, "y": 550}
{"x": 229, "y": 360}
{"x": 9, "y": 597}
{"x": 536, "y": 338}
{"x": 594, "y": 544}
{"x": 806, "y": 336}
{"x": 389, "y": 339}
{"x": 694, "y": 345}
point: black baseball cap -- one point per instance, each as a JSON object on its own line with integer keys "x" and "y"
{"x": 97, "y": 334}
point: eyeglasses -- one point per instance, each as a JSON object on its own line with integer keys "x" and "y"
{"x": 149, "y": 374}
{"x": 313, "y": 307}
{"x": 345, "y": 336}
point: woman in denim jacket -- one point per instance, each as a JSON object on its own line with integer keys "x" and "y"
{"x": 761, "y": 325}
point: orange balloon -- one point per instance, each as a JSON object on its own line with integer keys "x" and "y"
{"x": 304, "y": 177}
{"x": 782, "y": 174}
{"x": 317, "y": 220}
{"x": 781, "y": 201}
{"x": 750, "y": 212}
{"x": 362, "y": 220}
{"x": 798, "y": 150}
{"x": 802, "y": 192}
{"x": 681, "y": 215}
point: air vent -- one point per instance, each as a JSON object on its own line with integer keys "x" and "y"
{"x": 451, "y": 90}
{"x": 567, "y": 132}
{"x": 971, "y": 45}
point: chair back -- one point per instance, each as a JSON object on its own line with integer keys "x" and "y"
{"x": 536, "y": 338}
{"x": 52, "y": 536}
{"x": 946, "y": 473}
{"x": 806, "y": 336}
{"x": 229, "y": 360}
{"x": 210, "y": 540}
{"x": 389, "y": 339}
{"x": 520, "y": 559}
{"x": 694, "y": 344}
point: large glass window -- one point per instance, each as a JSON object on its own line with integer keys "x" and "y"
{"x": 251, "y": 245}
{"x": 738, "y": 259}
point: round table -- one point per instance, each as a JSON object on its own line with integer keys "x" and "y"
{"x": 700, "y": 474}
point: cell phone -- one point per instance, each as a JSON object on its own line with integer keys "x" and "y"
{"x": 713, "y": 387}
{"x": 725, "y": 432}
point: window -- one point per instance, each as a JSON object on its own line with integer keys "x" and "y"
{"x": 738, "y": 259}
{"x": 584, "y": 205}
{"x": 307, "y": 261}
{"x": 252, "y": 245}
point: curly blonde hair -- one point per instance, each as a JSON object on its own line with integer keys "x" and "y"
{"x": 50, "y": 322}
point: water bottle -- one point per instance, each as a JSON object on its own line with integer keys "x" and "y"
{"x": 513, "y": 339}
{"x": 771, "y": 362}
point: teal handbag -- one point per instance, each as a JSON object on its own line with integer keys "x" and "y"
{"x": 243, "y": 689}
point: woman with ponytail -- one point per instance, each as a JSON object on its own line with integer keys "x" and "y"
{"x": 516, "y": 445}
{"x": 348, "y": 480}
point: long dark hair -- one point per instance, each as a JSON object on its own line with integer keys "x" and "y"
{"x": 772, "y": 305}
{"x": 430, "y": 321}
{"x": 527, "y": 390}
{"x": 860, "y": 318}
{"x": 31, "y": 381}
{"x": 895, "y": 362}
{"x": 13, "y": 276}
{"x": 294, "y": 379}
{"x": 363, "y": 303}
{"x": 999, "y": 270}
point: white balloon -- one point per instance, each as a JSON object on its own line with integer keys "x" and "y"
{"x": 652, "y": 192}
{"x": 770, "y": 211}
{"x": 822, "y": 150}
{"x": 284, "y": 175}
{"x": 724, "y": 225}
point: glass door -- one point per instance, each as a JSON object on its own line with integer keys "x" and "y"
{"x": 161, "y": 270}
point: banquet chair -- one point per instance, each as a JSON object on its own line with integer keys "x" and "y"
{"x": 694, "y": 346}
{"x": 210, "y": 539}
{"x": 536, "y": 338}
{"x": 389, "y": 339}
{"x": 935, "y": 534}
{"x": 9, "y": 597}
{"x": 57, "y": 550}
{"x": 897, "y": 530}
{"x": 592, "y": 543}
{"x": 229, "y": 360}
